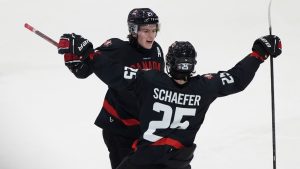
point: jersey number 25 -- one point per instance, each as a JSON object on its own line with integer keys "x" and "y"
{"x": 166, "y": 120}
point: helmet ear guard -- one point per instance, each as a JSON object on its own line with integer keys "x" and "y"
{"x": 133, "y": 29}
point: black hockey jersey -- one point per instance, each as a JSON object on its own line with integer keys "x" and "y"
{"x": 119, "y": 110}
{"x": 171, "y": 114}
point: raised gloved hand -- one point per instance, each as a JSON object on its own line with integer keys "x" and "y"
{"x": 267, "y": 45}
{"x": 75, "y": 44}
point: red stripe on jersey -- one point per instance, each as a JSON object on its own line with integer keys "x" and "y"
{"x": 130, "y": 122}
{"x": 112, "y": 111}
{"x": 164, "y": 141}
{"x": 134, "y": 144}
{"x": 169, "y": 141}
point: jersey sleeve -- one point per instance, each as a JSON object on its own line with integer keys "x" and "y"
{"x": 233, "y": 80}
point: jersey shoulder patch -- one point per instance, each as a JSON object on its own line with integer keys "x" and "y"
{"x": 208, "y": 76}
{"x": 112, "y": 44}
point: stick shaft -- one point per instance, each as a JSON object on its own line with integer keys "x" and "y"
{"x": 47, "y": 38}
{"x": 272, "y": 93}
{"x": 273, "y": 112}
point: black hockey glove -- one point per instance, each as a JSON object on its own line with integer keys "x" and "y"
{"x": 267, "y": 45}
{"x": 72, "y": 61}
{"x": 75, "y": 44}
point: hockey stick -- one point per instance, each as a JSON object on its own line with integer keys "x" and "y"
{"x": 272, "y": 93}
{"x": 32, "y": 29}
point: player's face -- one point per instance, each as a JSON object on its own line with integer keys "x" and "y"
{"x": 146, "y": 35}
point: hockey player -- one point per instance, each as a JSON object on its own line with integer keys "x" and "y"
{"x": 172, "y": 106}
{"x": 118, "y": 117}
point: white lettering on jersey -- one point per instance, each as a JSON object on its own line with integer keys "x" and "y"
{"x": 166, "y": 121}
{"x": 129, "y": 73}
{"x": 161, "y": 124}
{"x": 176, "y": 98}
{"x": 158, "y": 52}
{"x": 226, "y": 78}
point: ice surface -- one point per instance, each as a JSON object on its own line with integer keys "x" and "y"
{"x": 47, "y": 115}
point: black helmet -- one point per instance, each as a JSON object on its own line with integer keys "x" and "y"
{"x": 181, "y": 60}
{"x": 140, "y": 16}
